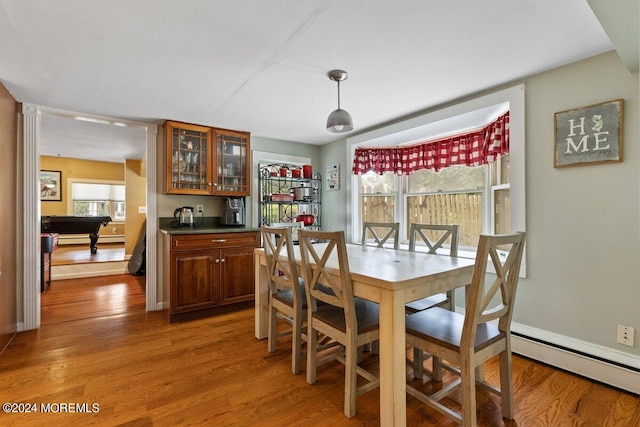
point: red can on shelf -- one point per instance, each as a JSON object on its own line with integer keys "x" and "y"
{"x": 306, "y": 171}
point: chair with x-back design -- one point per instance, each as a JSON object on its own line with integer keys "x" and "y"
{"x": 287, "y": 299}
{"x": 349, "y": 320}
{"x": 468, "y": 341}
{"x": 380, "y": 232}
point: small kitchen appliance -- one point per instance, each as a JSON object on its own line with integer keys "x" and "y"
{"x": 302, "y": 193}
{"x": 233, "y": 211}
{"x": 186, "y": 217}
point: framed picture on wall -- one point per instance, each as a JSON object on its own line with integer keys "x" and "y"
{"x": 50, "y": 186}
{"x": 333, "y": 177}
{"x": 589, "y": 135}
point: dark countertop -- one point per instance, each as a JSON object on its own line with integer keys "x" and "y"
{"x": 207, "y": 225}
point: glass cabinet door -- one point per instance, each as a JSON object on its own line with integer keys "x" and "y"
{"x": 232, "y": 163}
{"x": 188, "y": 159}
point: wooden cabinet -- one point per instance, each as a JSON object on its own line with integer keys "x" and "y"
{"x": 204, "y": 271}
{"x": 202, "y": 160}
{"x": 188, "y": 167}
{"x": 232, "y": 163}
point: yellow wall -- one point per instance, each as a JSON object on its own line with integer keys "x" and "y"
{"x": 132, "y": 173}
{"x": 77, "y": 169}
{"x": 136, "y": 197}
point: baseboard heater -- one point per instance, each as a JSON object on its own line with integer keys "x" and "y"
{"x": 609, "y": 372}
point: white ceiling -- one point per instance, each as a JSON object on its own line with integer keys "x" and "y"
{"x": 261, "y": 66}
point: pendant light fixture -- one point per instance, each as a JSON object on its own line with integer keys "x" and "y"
{"x": 339, "y": 120}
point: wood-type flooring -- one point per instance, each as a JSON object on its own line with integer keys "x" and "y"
{"x": 135, "y": 369}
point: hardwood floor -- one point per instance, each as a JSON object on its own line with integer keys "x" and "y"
{"x": 80, "y": 254}
{"x": 142, "y": 371}
{"x": 75, "y": 299}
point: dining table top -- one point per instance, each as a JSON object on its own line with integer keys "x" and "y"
{"x": 391, "y": 269}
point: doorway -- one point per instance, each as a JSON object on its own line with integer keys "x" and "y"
{"x": 31, "y": 250}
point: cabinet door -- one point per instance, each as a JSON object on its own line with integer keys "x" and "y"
{"x": 236, "y": 275}
{"x": 189, "y": 162}
{"x": 193, "y": 279}
{"x": 231, "y": 164}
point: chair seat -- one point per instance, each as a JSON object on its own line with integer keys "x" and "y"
{"x": 444, "y": 328}
{"x": 286, "y": 297}
{"x": 367, "y": 315}
{"x": 425, "y": 303}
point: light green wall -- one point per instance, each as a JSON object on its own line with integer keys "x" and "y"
{"x": 334, "y": 203}
{"x": 583, "y": 223}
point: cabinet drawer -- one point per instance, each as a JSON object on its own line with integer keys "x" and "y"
{"x": 214, "y": 240}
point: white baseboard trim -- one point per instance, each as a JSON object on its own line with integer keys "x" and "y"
{"x": 76, "y": 271}
{"x": 70, "y": 239}
{"x": 602, "y": 364}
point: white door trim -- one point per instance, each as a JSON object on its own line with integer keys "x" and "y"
{"x": 31, "y": 206}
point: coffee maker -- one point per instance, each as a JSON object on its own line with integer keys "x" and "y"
{"x": 233, "y": 211}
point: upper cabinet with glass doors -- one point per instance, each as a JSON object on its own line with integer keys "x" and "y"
{"x": 189, "y": 149}
{"x": 232, "y": 163}
{"x": 206, "y": 161}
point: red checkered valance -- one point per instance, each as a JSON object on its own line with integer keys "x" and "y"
{"x": 475, "y": 148}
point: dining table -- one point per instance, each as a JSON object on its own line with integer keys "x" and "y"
{"x": 391, "y": 278}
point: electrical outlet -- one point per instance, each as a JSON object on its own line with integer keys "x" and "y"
{"x": 625, "y": 335}
{"x": 200, "y": 209}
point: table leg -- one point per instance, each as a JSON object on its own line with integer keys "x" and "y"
{"x": 393, "y": 404}
{"x": 261, "y": 299}
{"x": 93, "y": 238}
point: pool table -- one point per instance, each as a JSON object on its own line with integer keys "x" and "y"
{"x": 75, "y": 225}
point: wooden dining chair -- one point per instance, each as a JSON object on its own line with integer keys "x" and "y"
{"x": 350, "y": 321}
{"x": 468, "y": 340}
{"x": 434, "y": 237}
{"x": 287, "y": 298}
{"x": 381, "y": 232}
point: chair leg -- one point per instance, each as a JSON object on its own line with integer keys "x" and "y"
{"x": 418, "y": 367}
{"x": 468, "y": 383}
{"x": 506, "y": 384}
{"x": 436, "y": 372}
{"x": 350, "y": 380}
{"x": 296, "y": 345}
{"x": 451, "y": 304}
{"x": 273, "y": 322}
{"x": 312, "y": 357}
{"x": 375, "y": 347}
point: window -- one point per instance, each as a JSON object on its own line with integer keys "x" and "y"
{"x": 378, "y": 197}
{"x": 98, "y": 199}
{"x": 502, "y": 196}
{"x": 455, "y": 195}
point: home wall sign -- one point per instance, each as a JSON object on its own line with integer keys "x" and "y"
{"x": 589, "y": 135}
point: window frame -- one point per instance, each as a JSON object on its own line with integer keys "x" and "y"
{"x": 112, "y": 203}
{"x": 402, "y": 195}
{"x": 514, "y": 96}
